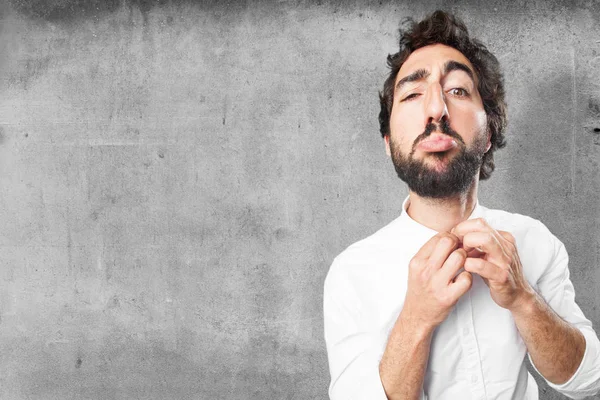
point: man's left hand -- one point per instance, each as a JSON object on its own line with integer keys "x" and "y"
{"x": 493, "y": 255}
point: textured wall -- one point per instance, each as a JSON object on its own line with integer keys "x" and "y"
{"x": 177, "y": 176}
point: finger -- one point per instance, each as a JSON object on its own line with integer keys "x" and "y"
{"x": 446, "y": 245}
{"x": 427, "y": 248}
{"x": 509, "y": 240}
{"x": 485, "y": 269}
{"x": 471, "y": 225}
{"x": 483, "y": 242}
{"x": 461, "y": 284}
{"x": 475, "y": 253}
{"x": 508, "y": 236}
{"x": 453, "y": 264}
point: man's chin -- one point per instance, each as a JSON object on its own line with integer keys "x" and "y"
{"x": 437, "y": 162}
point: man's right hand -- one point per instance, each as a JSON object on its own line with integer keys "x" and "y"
{"x": 433, "y": 284}
{"x": 433, "y": 289}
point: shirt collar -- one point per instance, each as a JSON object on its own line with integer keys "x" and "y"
{"x": 418, "y": 229}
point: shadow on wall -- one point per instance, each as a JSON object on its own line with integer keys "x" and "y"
{"x": 555, "y": 128}
{"x": 557, "y": 144}
{"x": 71, "y": 11}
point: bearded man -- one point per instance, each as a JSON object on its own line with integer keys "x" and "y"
{"x": 447, "y": 300}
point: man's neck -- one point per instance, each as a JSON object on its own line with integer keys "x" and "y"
{"x": 442, "y": 214}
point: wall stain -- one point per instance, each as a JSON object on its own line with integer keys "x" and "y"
{"x": 119, "y": 366}
{"x": 594, "y": 107}
{"x": 72, "y": 11}
{"x": 29, "y": 70}
{"x": 594, "y": 110}
{"x": 64, "y": 10}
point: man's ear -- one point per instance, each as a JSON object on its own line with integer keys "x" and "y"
{"x": 489, "y": 141}
{"x": 386, "y": 139}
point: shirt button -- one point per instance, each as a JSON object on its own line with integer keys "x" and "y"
{"x": 474, "y": 378}
{"x": 465, "y": 331}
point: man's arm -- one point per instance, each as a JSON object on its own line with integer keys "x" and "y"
{"x": 402, "y": 367}
{"x": 555, "y": 346}
{"x": 358, "y": 370}
{"x": 432, "y": 291}
{"x": 560, "y": 340}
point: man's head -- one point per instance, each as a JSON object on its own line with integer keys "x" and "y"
{"x": 443, "y": 112}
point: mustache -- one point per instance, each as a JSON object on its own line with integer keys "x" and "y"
{"x": 444, "y": 127}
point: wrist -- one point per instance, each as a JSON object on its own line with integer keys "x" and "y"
{"x": 419, "y": 327}
{"x": 525, "y": 304}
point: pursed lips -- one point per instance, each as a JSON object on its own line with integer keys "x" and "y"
{"x": 437, "y": 143}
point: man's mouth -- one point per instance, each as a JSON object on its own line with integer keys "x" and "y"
{"x": 436, "y": 144}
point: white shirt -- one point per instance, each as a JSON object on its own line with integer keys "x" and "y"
{"x": 477, "y": 352}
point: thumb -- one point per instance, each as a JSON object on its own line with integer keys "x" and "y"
{"x": 462, "y": 284}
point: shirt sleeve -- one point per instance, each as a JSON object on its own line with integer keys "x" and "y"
{"x": 556, "y": 288}
{"x": 352, "y": 350}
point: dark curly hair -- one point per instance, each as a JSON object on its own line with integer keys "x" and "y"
{"x": 443, "y": 28}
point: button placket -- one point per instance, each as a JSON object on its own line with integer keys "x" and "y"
{"x": 470, "y": 347}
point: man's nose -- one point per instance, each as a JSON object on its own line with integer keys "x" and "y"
{"x": 435, "y": 104}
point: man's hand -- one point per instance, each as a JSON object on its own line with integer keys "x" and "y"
{"x": 434, "y": 287}
{"x": 493, "y": 256}
{"x": 433, "y": 284}
{"x": 555, "y": 346}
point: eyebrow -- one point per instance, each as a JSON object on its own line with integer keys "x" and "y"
{"x": 415, "y": 76}
{"x": 421, "y": 74}
{"x": 458, "y": 66}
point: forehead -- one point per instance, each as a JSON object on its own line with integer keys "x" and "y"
{"x": 431, "y": 57}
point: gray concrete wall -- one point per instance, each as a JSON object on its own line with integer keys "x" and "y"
{"x": 176, "y": 177}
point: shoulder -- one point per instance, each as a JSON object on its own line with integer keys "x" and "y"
{"x": 362, "y": 259}
{"x": 508, "y": 220}
{"x": 538, "y": 248}
{"x": 519, "y": 225}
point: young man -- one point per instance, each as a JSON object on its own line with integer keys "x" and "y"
{"x": 447, "y": 300}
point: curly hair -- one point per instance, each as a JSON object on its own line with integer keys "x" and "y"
{"x": 443, "y": 28}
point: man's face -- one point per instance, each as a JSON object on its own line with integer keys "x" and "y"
{"x": 438, "y": 126}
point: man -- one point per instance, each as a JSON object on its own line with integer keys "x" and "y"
{"x": 447, "y": 300}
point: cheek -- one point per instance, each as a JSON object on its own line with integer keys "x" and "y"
{"x": 405, "y": 125}
{"x": 480, "y": 127}
{"x": 481, "y": 120}
{"x": 470, "y": 121}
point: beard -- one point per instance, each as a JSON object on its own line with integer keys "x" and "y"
{"x": 454, "y": 179}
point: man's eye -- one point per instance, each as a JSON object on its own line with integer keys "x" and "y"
{"x": 410, "y": 96}
{"x": 460, "y": 92}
